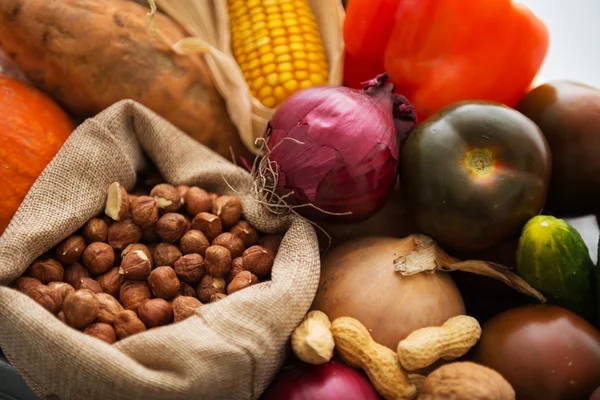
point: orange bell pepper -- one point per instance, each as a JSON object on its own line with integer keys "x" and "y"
{"x": 440, "y": 52}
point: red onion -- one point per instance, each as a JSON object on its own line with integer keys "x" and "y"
{"x": 347, "y": 160}
{"x": 330, "y": 381}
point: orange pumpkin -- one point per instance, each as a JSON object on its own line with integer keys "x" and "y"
{"x": 32, "y": 129}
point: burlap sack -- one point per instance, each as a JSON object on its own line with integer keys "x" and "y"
{"x": 228, "y": 350}
{"x": 208, "y": 23}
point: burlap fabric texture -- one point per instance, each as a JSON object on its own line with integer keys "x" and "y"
{"x": 228, "y": 350}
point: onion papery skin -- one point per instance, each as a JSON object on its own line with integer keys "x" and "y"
{"x": 347, "y": 160}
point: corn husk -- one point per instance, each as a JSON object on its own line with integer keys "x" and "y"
{"x": 207, "y": 22}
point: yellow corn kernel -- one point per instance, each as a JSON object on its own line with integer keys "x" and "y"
{"x": 291, "y": 85}
{"x": 280, "y": 93}
{"x": 301, "y": 65}
{"x": 278, "y": 41}
{"x": 282, "y": 58}
{"x": 285, "y": 77}
{"x": 285, "y": 67}
{"x": 306, "y": 84}
{"x": 267, "y": 69}
{"x": 273, "y": 80}
{"x": 278, "y": 47}
{"x": 299, "y": 55}
{"x": 300, "y": 75}
{"x": 279, "y": 50}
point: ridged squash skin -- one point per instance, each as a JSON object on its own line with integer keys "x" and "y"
{"x": 553, "y": 258}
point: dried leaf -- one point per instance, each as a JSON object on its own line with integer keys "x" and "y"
{"x": 426, "y": 256}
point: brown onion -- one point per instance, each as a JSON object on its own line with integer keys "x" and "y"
{"x": 358, "y": 280}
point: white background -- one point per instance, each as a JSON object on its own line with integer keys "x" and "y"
{"x": 574, "y": 54}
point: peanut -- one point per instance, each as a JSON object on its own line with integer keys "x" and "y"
{"x": 358, "y": 349}
{"x": 466, "y": 381}
{"x": 312, "y": 340}
{"x": 417, "y": 380}
{"x": 425, "y": 346}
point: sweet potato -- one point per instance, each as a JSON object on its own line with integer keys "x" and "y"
{"x": 89, "y": 54}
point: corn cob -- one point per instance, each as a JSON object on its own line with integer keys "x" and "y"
{"x": 278, "y": 47}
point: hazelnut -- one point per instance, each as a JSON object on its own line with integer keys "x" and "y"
{"x": 149, "y": 234}
{"x": 127, "y": 323}
{"x": 194, "y": 241}
{"x": 271, "y": 243}
{"x": 111, "y": 281}
{"x": 166, "y": 254}
{"x": 213, "y": 196}
{"x": 171, "y": 227}
{"x": 135, "y": 265}
{"x": 74, "y": 273}
{"x": 117, "y": 202}
{"x": 102, "y": 331}
{"x": 46, "y": 271}
{"x": 61, "y": 316}
{"x": 144, "y": 211}
{"x": 258, "y": 260}
{"x": 123, "y": 233}
{"x": 61, "y": 289}
{"x": 182, "y": 191}
{"x": 197, "y": 201}
{"x": 109, "y": 308}
{"x": 69, "y": 250}
{"x": 95, "y": 230}
{"x": 40, "y": 293}
{"x": 242, "y": 281}
{"x": 167, "y": 197}
{"x": 81, "y": 308}
{"x": 207, "y": 223}
{"x": 190, "y": 268}
{"x": 155, "y": 312}
{"x": 134, "y": 293}
{"x": 90, "y": 284}
{"x": 228, "y": 208}
{"x": 137, "y": 246}
{"x": 217, "y": 296}
{"x": 186, "y": 290}
{"x": 246, "y": 232}
{"x": 25, "y": 283}
{"x": 237, "y": 266}
{"x": 184, "y": 307}
{"x": 209, "y": 286}
{"x": 231, "y": 242}
{"x": 218, "y": 261}
{"x": 164, "y": 283}
{"x": 98, "y": 258}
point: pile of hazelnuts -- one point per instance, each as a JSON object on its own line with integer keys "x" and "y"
{"x": 149, "y": 261}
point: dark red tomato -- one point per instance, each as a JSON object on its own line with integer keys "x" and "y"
{"x": 545, "y": 352}
{"x": 474, "y": 174}
{"x": 568, "y": 113}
